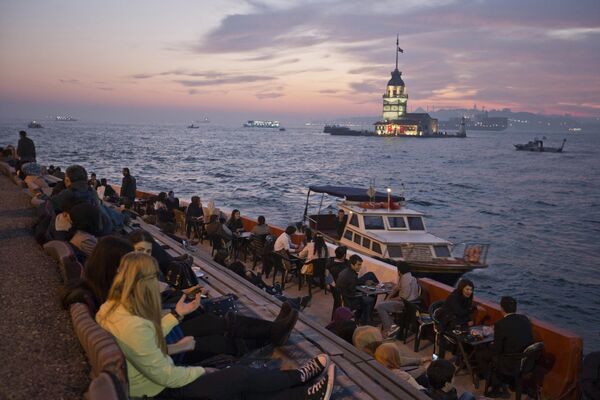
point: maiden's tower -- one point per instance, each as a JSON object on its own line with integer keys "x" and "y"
{"x": 396, "y": 121}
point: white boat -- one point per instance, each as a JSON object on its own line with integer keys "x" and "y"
{"x": 261, "y": 124}
{"x": 381, "y": 226}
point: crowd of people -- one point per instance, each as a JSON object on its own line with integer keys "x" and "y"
{"x": 141, "y": 294}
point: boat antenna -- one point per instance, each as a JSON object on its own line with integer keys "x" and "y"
{"x": 371, "y": 192}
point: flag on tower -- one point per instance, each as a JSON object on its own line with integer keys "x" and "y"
{"x": 400, "y": 50}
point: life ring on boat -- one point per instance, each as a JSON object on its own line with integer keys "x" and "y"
{"x": 472, "y": 254}
{"x": 373, "y": 205}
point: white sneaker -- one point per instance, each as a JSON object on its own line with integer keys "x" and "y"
{"x": 392, "y": 332}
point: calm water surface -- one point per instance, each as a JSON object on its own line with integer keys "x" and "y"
{"x": 540, "y": 212}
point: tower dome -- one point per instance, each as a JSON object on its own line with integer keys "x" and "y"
{"x": 396, "y": 79}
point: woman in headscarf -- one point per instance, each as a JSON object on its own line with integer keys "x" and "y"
{"x": 367, "y": 338}
{"x": 389, "y": 355}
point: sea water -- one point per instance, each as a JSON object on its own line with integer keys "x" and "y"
{"x": 540, "y": 212}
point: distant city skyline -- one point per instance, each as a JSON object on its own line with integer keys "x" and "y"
{"x": 298, "y": 60}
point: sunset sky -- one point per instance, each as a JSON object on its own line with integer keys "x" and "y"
{"x": 301, "y": 60}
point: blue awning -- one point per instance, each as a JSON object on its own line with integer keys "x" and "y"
{"x": 353, "y": 193}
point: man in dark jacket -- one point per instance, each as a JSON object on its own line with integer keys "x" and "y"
{"x": 128, "y": 188}
{"x": 76, "y": 187}
{"x": 346, "y": 283}
{"x": 25, "y": 148}
{"x": 512, "y": 335}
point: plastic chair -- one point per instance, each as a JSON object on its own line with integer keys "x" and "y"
{"x": 413, "y": 316}
{"x": 257, "y": 247}
{"x": 527, "y": 361}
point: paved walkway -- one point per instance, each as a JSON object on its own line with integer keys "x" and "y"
{"x": 40, "y": 356}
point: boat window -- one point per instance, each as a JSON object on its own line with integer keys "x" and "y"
{"x": 366, "y": 242}
{"x": 376, "y": 248}
{"x": 357, "y": 238}
{"x": 397, "y": 222}
{"x": 441, "y": 251}
{"x": 416, "y": 224}
{"x": 373, "y": 222}
{"x": 348, "y": 234}
{"x": 354, "y": 220}
{"x": 394, "y": 251}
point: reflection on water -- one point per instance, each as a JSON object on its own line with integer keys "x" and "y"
{"x": 540, "y": 212}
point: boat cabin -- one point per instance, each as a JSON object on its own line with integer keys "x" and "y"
{"x": 379, "y": 226}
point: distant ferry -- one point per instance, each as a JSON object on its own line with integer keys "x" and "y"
{"x": 34, "y": 125}
{"x": 65, "y": 118}
{"x": 261, "y": 124}
{"x": 480, "y": 122}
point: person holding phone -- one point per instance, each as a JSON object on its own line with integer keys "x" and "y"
{"x": 132, "y": 315}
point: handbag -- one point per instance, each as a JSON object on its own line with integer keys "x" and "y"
{"x": 307, "y": 269}
{"x": 220, "y": 306}
{"x": 180, "y": 276}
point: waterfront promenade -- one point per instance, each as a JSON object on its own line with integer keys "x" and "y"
{"x": 40, "y": 355}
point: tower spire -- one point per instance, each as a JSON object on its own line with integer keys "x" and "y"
{"x": 397, "y": 47}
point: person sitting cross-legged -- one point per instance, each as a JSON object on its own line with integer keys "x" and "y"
{"x": 407, "y": 288}
{"x": 132, "y": 315}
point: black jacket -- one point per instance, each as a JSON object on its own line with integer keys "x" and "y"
{"x": 346, "y": 283}
{"x": 512, "y": 334}
{"x": 128, "y": 187}
{"x": 26, "y": 149}
{"x": 457, "y": 311}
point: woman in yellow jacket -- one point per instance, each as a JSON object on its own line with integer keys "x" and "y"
{"x": 132, "y": 314}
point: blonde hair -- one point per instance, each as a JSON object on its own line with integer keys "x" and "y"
{"x": 388, "y": 354}
{"x": 136, "y": 289}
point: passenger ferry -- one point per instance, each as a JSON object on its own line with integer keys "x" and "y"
{"x": 381, "y": 226}
{"x": 261, "y": 124}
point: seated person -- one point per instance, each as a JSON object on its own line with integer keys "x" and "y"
{"x": 100, "y": 269}
{"x": 84, "y": 219}
{"x": 172, "y": 202}
{"x": 457, "y": 311}
{"x": 261, "y": 228}
{"x": 234, "y": 223}
{"x": 143, "y": 241}
{"x": 347, "y": 282}
{"x": 284, "y": 241}
{"x": 342, "y": 323}
{"x": 407, "y": 288}
{"x": 367, "y": 338}
{"x": 194, "y": 217}
{"x": 215, "y": 229}
{"x": 334, "y": 266}
{"x": 165, "y": 217}
{"x": 440, "y": 374}
{"x": 133, "y": 315}
{"x": 512, "y": 335}
{"x": 106, "y": 192}
{"x": 388, "y": 354}
{"x": 315, "y": 250}
{"x": 76, "y": 186}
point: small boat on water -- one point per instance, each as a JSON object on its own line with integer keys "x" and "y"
{"x": 538, "y": 145}
{"x": 192, "y": 126}
{"x": 261, "y": 124}
{"x": 381, "y": 226}
{"x": 34, "y": 125}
